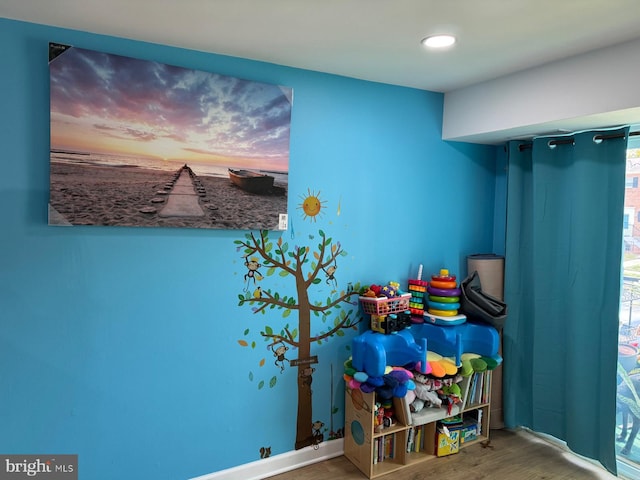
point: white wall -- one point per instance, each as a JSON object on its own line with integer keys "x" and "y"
{"x": 597, "y": 89}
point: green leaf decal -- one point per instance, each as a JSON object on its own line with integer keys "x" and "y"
{"x": 273, "y": 381}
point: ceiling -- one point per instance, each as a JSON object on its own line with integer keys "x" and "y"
{"x": 377, "y": 40}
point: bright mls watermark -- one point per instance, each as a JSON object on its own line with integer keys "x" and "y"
{"x": 49, "y": 467}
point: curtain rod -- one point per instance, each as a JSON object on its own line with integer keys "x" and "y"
{"x": 566, "y": 141}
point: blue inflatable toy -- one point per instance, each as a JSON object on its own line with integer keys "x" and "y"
{"x": 454, "y": 340}
{"x": 373, "y": 351}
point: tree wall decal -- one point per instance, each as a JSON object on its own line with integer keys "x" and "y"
{"x": 335, "y": 313}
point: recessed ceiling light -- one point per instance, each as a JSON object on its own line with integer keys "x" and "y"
{"x": 439, "y": 41}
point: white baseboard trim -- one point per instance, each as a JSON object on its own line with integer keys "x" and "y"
{"x": 277, "y": 464}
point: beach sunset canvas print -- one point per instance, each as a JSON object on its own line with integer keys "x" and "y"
{"x": 141, "y": 143}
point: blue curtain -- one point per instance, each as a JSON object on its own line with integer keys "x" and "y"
{"x": 562, "y": 286}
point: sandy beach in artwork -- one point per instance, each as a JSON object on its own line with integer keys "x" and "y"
{"x": 84, "y": 194}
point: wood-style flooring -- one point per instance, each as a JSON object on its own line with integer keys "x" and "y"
{"x": 509, "y": 455}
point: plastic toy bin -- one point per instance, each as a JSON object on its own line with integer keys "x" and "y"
{"x": 385, "y": 306}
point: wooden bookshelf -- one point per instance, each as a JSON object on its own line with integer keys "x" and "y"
{"x": 412, "y": 439}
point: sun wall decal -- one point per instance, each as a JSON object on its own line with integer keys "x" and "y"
{"x": 311, "y": 205}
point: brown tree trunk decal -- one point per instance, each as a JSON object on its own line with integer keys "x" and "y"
{"x": 308, "y": 268}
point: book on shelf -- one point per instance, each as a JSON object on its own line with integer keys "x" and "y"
{"x": 411, "y": 434}
{"x": 384, "y": 448}
{"x": 416, "y": 439}
{"x": 479, "y": 388}
{"x": 375, "y": 452}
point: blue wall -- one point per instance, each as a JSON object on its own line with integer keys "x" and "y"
{"x": 121, "y": 344}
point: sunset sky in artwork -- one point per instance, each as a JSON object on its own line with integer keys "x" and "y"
{"x": 103, "y": 103}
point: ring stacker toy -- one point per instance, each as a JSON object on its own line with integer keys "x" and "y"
{"x": 443, "y": 292}
{"x": 418, "y": 290}
{"x": 443, "y": 284}
{"x": 436, "y": 298}
{"x": 450, "y": 306}
{"x": 444, "y": 295}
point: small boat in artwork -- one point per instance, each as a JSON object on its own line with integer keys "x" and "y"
{"x": 251, "y": 181}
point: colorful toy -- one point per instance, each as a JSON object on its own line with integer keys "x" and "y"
{"x": 388, "y": 307}
{"x": 382, "y": 305}
{"x": 445, "y": 319}
{"x": 441, "y": 366}
{"x": 390, "y": 323}
{"x": 396, "y": 382}
{"x": 417, "y": 289}
{"x": 373, "y": 351}
{"x": 442, "y": 313}
{"x": 443, "y": 276}
{"x": 444, "y": 305}
{"x": 443, "y": 285}
{"x": 451, "y": 394}
{"x": 384, "y": 417}
{"x": 446, "y": 284}
{"x": 389, "y": 291}
{"x": 443, "y": 292}
{"x": 437, "y": 298}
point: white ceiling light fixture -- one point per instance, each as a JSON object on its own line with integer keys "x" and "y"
{"x": 438, "y": 41}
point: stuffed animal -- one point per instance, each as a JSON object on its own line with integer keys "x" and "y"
{"x": 389, "y": 291}
{"x": 426, "y": 395}
{"x": 451, "y": 394}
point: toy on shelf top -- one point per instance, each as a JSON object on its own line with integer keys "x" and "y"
{"x": 418, "y": 289}
{"x": 390, "y": 290}
{"x": 384, "y": 299}
{"x": 444, "y": 295}
{"x": 443, "y": 276}
{"x": 373, "y": 351}
{"x": 393, "y": 382}
{"x": 390, "y": 323}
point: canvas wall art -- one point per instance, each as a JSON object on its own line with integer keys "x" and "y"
{"x": 141, "y": 143}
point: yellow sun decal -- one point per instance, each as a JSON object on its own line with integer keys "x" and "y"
{"x": 311, "y": 205}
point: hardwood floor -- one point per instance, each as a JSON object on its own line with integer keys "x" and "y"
{"x": 509, "y": 456}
